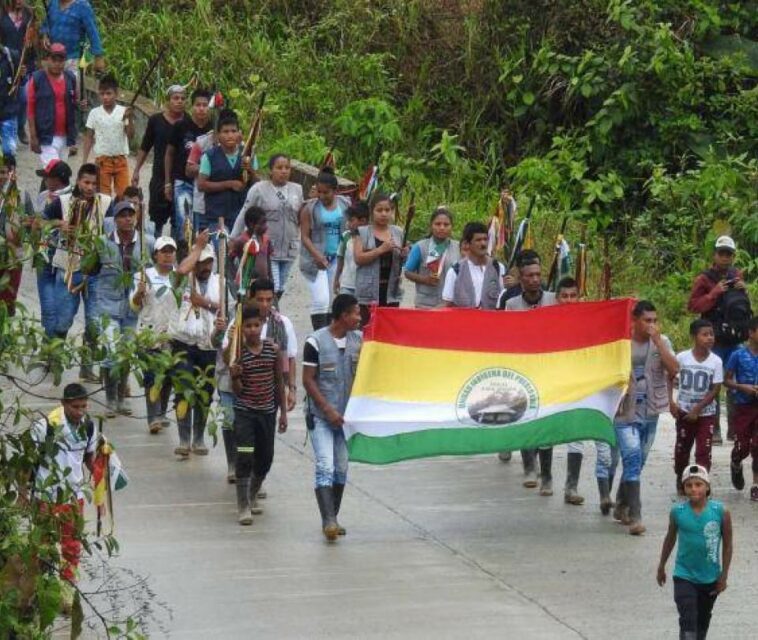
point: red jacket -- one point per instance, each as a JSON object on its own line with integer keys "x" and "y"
{"x": 705, "y": 294}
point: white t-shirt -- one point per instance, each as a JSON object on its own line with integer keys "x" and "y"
{"x": 696, "y": 379}
{"x": 73, "y": 445}
{"x": 110, "y": 132}
{"x": 159, "y": 304}
{"x": 477, "y": 277}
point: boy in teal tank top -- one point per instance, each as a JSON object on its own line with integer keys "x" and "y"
{"x": 702, "y": 526}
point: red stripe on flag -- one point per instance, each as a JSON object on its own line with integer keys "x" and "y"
{"x": 547, "y": 329}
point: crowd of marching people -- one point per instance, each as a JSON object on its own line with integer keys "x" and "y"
{"x": 236, "y": 232}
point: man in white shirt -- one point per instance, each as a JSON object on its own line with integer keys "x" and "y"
{"x": 477, "y": 280}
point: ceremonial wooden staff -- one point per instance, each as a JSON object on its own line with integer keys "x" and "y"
{"x": 581, "y": 265}
{"x": 248, "y": 150}
{"x": 143, "y": 83}
{"x": 222, "y": 251}
{"x": 521, "y": 234}
{"x": 77, "y": 212}
{"x": 29, "y": 37}
{"x": 143, "y": 248}
{"x": 409, "y": 219}
{"x": 553, "y": 276}
{"x": 606, "y": 288}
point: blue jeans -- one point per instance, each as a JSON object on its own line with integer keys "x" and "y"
{"x": 21, "y": 118}
{"x": 183, "y": 192}
{"x": 280, "y": 272}
{"x": 47, "y": 299}
{"x": 635, "y": 439}
{"x": 330, "y": 451}
{"x": 67, "y": 303}
{"x": 9, "y": 136}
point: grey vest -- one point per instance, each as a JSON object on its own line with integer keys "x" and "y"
{"x": 318, "y": 236}
{"x": 656, "y": 379}
{"x": 463, "y": 292}
{"x": 367, "y": 276}
{"x": 113, "y": 283}
{"x": 428, "y": 297}
{"x": 336, "y": 369}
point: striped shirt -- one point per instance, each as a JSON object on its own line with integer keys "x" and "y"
{"x": 258, "y": 380}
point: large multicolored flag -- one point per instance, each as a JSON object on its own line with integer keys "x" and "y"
{"x": 464, "y": 381}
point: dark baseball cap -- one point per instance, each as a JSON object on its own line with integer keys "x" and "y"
{"x": 122, "y": 206}
{"x": 55, "y": 169}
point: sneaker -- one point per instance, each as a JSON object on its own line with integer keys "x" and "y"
{"x": 67, "y": 598}
{"x": 636, "y": 528}
{"x": 754, "y": 493}
{"x": 182, "y": 451}
{"x": 717, "y": 440}
{"x": 155, "y": 427}
{"x": 738, "y": 478}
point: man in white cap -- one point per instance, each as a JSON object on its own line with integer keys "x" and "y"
{"x": 712, "y": 289}
{"x": 153, "y": 299}
{"x": 191, "y": 331}
{"x": 119, "y": 256}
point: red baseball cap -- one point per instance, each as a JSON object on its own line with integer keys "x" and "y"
{"x": 55, "y": 168}
{"x": 57, "y": 49}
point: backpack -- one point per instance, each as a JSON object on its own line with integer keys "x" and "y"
{"x": 730, "y": 317}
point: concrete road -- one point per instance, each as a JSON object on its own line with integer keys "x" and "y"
{"x": 440, "y": 548}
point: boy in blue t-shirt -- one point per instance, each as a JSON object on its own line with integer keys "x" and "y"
{"x": 702, "y": 525}
{"x": 742, "y": 381}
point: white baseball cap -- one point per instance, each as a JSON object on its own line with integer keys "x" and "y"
{"x": 725, "y": 242}
{"x": 207, "y": 253}
{"x": 696, "y": 471}
{"x": 164, "y": 241}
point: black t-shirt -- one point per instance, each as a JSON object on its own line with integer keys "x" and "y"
{"x": 183, "y": 135}
{"x": 157, "y": 134}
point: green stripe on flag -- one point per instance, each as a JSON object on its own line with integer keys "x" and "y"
{"x": 569, "y": 426}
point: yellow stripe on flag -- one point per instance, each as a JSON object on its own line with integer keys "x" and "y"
{"x": 412, "y": 374}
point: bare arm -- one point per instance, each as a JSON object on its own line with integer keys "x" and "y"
{"x": 281, "y": 392}
{"x": 668, "y": 546}
{"x": 188, "y": 264}
{"x": 726, "y": 551}
{"x": 88, "y": 143}
{"x": 707, "y": 399}
{"x": 668, "y": 359}
{"x": 168, "y": 163}
{"x": 364, "y": 257}
{"x": 305, "y": 238}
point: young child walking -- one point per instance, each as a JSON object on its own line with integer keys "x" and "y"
{"x": 258, "y": 384}
{"x": 344, "y": 278}
{"x": 742, "y": 382}
{"x": 701, "y": 525}
{"x": 108, "y": 129}
{"x": 700, "y": 377}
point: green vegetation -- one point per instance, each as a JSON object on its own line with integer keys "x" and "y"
{"x": 637, "y": 120}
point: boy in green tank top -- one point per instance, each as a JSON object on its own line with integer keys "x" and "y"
{"x": 701, "y": 525}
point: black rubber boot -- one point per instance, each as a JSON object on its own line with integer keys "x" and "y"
{"x": 604, "y": 489}
{"x": 325, "y": 499}
{"x": 528, "y": 460}
{"x": 198, "y": 433}
{"x": 255, "y": 485}
{"x": 244, "y": 516}
{"x": 124, "y": 407}
{"x": 621, "y": 510}
{"x": 86, "y": 370}
{"x": 230, "y": 448}
{"x": 546, "y": 471}
{"x": 111, "y": 393}
{"x": 632, "y": 495}
{"x": 339, "y": 489}
{"x": 184, "y": 426}
{"x": 573, "y": 467}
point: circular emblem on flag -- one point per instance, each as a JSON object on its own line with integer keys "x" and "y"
{"x": 496, "y": 397}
